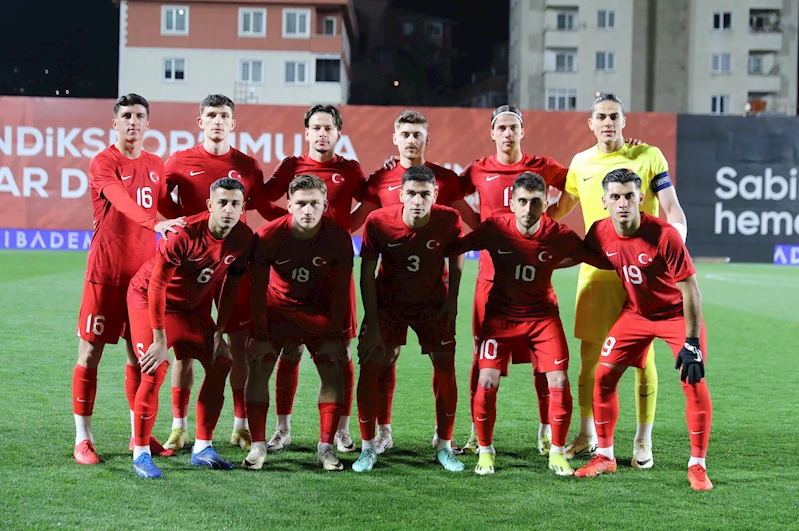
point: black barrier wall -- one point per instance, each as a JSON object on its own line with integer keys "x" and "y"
{"x": 739, "y": 185}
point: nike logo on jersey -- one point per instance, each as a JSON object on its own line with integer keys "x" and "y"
{"x": 610, "y": 254}
{"x": 283, "y": 261}
{"x": 193, "y": 173}
{"x": 395, "y": 244}
{"x": 588, "y": 178}
{"x": 558, "y": 362}
{"x": 392, "y": 188}
{"x": 443, "y": 343}
{"x": 126, "y": 177}
{"x": 492, "y": 177}
{"x": 500, "y": 251}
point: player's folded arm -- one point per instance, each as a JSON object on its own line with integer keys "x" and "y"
{"x": 116, "y": 194}
{"x": 162, "y": 274}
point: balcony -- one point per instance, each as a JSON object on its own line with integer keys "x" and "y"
{"x": 764, "y": 83}
{"x": 765, "y": 5}
{"x": 554, "y": 38}
{"x": 765, "y": 40}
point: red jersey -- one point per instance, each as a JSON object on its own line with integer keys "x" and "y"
{"x": 650, "y": 263}
{"x": 301, "y": 273}
{"x": 493, "y": 181}
{"x": 119, "y": 246}
{"x": 412, "y": 270}
{"x": 522, "y": 287}
{"x": 384, "y": 185}
{"x": 194, "y": 170}
{"x": 201, "y": 262}
{"x": 344, "y": 179}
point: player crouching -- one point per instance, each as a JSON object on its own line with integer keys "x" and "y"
{"x": 163, "y": 302}
{"x": 521, "y": 314}
{"x": 663, "y": 301}
{"x": 301, "y": 270}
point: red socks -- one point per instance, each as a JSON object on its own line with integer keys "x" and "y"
{"x": 286, "y": 385}
{"x": 606, "y": 404}
{"x": 698, "y": 414}
{"x": 348, "y": 377}
{"x": 560, "y": 413}
{"x": 368, "y": 394}
{"x": 180, "y": 402}
{"x": 211, "y": 398}
{"x": 385, "y": 393}
{"x": 84, "y": 389}
{"x": 446, "y": 392}
{"x": 542, "y": 391}
{"x": 132, "y": 381}
{"x": 239, "y": 407}
{"x": 474, "y": 377}
{"x": 256, "y": 417}
{"x": 328, "y": 421}
{"x": 145, "y": 407}
{"x": 485, "y": 414}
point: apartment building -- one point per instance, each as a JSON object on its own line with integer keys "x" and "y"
{"x": 686, "y": 56}
{"x": 284, "y": 52}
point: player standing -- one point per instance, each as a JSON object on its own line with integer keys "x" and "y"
{"x": 127, "y": 191}
{"x": 301, "y": 272}
{"x": 192, "y": 171}
{"x": 600, "y": 294}
{"x": 521, "y": 313}
{"x": 345, "y": 182}
{"x": 165, "y": 302}
{"x": 412, "y": 288}
{"x": 411, "y": 137}
{"x": 663, "y": 301}
{"x": 492, "y": 178}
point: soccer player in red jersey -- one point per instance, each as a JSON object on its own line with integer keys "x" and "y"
{"x": 345, "y": 182}
{"x": 384, "y": 186}
{"x": 521, "y": 313}
{"x": 192, "y": 171}
{"x": 412, "y": 288}
{"x": 301, "y": 270}
{"x": 127, "y": 191}
{"x": 165, "y": 302}
{"x": 663, "y": 301}
{"x": 492, "y": 178}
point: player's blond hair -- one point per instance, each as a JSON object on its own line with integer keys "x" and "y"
{"x": 307, "y": 182}
{"x": 410, "y": 117}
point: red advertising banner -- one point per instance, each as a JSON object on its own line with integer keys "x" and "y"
{"x": 46, "y": 145}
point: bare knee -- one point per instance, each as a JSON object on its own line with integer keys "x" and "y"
{"x": 89, "y": 354}
{"x": 557, "y": 379}
{"x": 489, "y": 378}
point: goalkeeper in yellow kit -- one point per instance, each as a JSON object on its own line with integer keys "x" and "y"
{"x": 599, "y": 293}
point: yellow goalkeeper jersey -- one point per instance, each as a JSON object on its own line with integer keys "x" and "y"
{"x": 584, "y": 181}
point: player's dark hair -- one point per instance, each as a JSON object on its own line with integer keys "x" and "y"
{"x": 506, "y": 109}
{"x": 420, "y": 174}
{"x": 327, "y": 109}
{"x": 607, "y": 97}
{"x": 216, "y": 100}
{"x": 307, "y": 182}
{"x": 532, "y": 182}
{"x": 227, "y": 183}
{"x": 126, "y": 100}
{"x": 410, "y": 117}
{"x": 621, "y": 176}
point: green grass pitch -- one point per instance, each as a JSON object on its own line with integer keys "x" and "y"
{"x": 752, "y": 315}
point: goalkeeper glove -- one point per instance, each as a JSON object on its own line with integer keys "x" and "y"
{"x": 691, "y": 361}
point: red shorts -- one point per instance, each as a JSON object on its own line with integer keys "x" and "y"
{"x": 298, "y": 328}
{"x": 103, "y": 315}
{"x": 629, "y": 339}
{"x": 394, "y": 323}
{"x": 241, "y": 318}
{"x": 190, "y": 333}
{"x": 543, "y": 337}
{"x": 481, "y": 290}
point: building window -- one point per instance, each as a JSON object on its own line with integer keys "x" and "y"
{"x": 252, "y": 22}
{"x": 251, "y": 71}
{"x": 606, "y": 19}
{"x": 330, "y": 26}
{"x": 565, "y": 61}
{"x": 605, "y": 61}
{"x": 295, "y": 73}
{"x": 174, "y": 69}
{"x": 297, "y": 23}
{"x": 756, "y": 64}
{"x": 174, "y": 20}
{"x": 408, "y": 29}
{"x": 720, "y": 63}
{"x": 722, "y": 21}
{"x": 565, "y": 20}
{"x": 719, "y": 104}
{"x": 328, "y": 70}
{"x": 561, "y": 99}
{"x": 434, "y": 29}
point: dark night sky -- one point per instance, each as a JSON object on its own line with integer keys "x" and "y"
{"x": 77, "y": 41}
